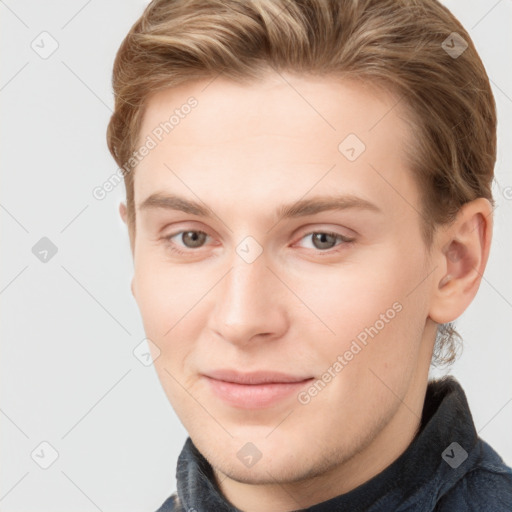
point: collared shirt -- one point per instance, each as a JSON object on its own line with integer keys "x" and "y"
{"x": 446, "y": 468}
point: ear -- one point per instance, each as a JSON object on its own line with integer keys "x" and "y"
{"x": 460, "y": 255}
{"x": 122, "y": 211}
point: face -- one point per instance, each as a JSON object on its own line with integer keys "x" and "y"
{"x": 277, "y": 230}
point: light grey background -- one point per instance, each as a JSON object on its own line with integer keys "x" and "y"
{"x": 69, "y": 326}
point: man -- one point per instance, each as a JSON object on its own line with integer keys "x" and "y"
{"x": 309, "y": 208}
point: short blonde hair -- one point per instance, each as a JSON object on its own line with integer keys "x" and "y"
{"x": 403, "y": 45}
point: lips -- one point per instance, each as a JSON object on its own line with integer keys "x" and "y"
{"x": 254, "y": 390}
{"x": 256, "y": 377}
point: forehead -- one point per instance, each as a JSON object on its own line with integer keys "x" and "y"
{"x": 277, "y": 100}
{"x": 280, "y": 134}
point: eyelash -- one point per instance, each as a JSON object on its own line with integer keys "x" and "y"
{"x": 345, "y": 241}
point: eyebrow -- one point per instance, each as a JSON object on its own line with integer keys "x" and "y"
{"x": 300, "y": 208}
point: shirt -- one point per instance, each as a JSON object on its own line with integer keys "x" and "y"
{"x": 446, "y": 468}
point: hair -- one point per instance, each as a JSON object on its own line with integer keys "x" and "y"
{"x": 396, "y": 44}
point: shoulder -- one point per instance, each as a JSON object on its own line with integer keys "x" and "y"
{"x": 171, "y": 504}
{"x": 487, "y": 486}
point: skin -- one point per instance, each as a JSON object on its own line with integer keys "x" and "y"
{"x": 244, "y": 151}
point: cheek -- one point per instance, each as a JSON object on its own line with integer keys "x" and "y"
{"x": 165, "y": 298}
{"x": 168, "y": 304}
{"x": 376, "y": 310}
{"x": 378, "y": 326}
{"x": 164, "y": 291}
{"x": 175, "y": 302}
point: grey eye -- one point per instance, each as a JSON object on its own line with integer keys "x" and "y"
{"x": 193, "y": 239}
{"x": 324, "y": 240}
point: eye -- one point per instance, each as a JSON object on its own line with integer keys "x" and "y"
{"x": 191, "y": 239}
{"x": 324, "y": 240}
{"x": 321, "y": 241}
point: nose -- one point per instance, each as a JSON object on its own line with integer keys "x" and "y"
{"x": 250, "y": 304}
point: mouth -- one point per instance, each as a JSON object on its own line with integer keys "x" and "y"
{"x": 255, "y": 390}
